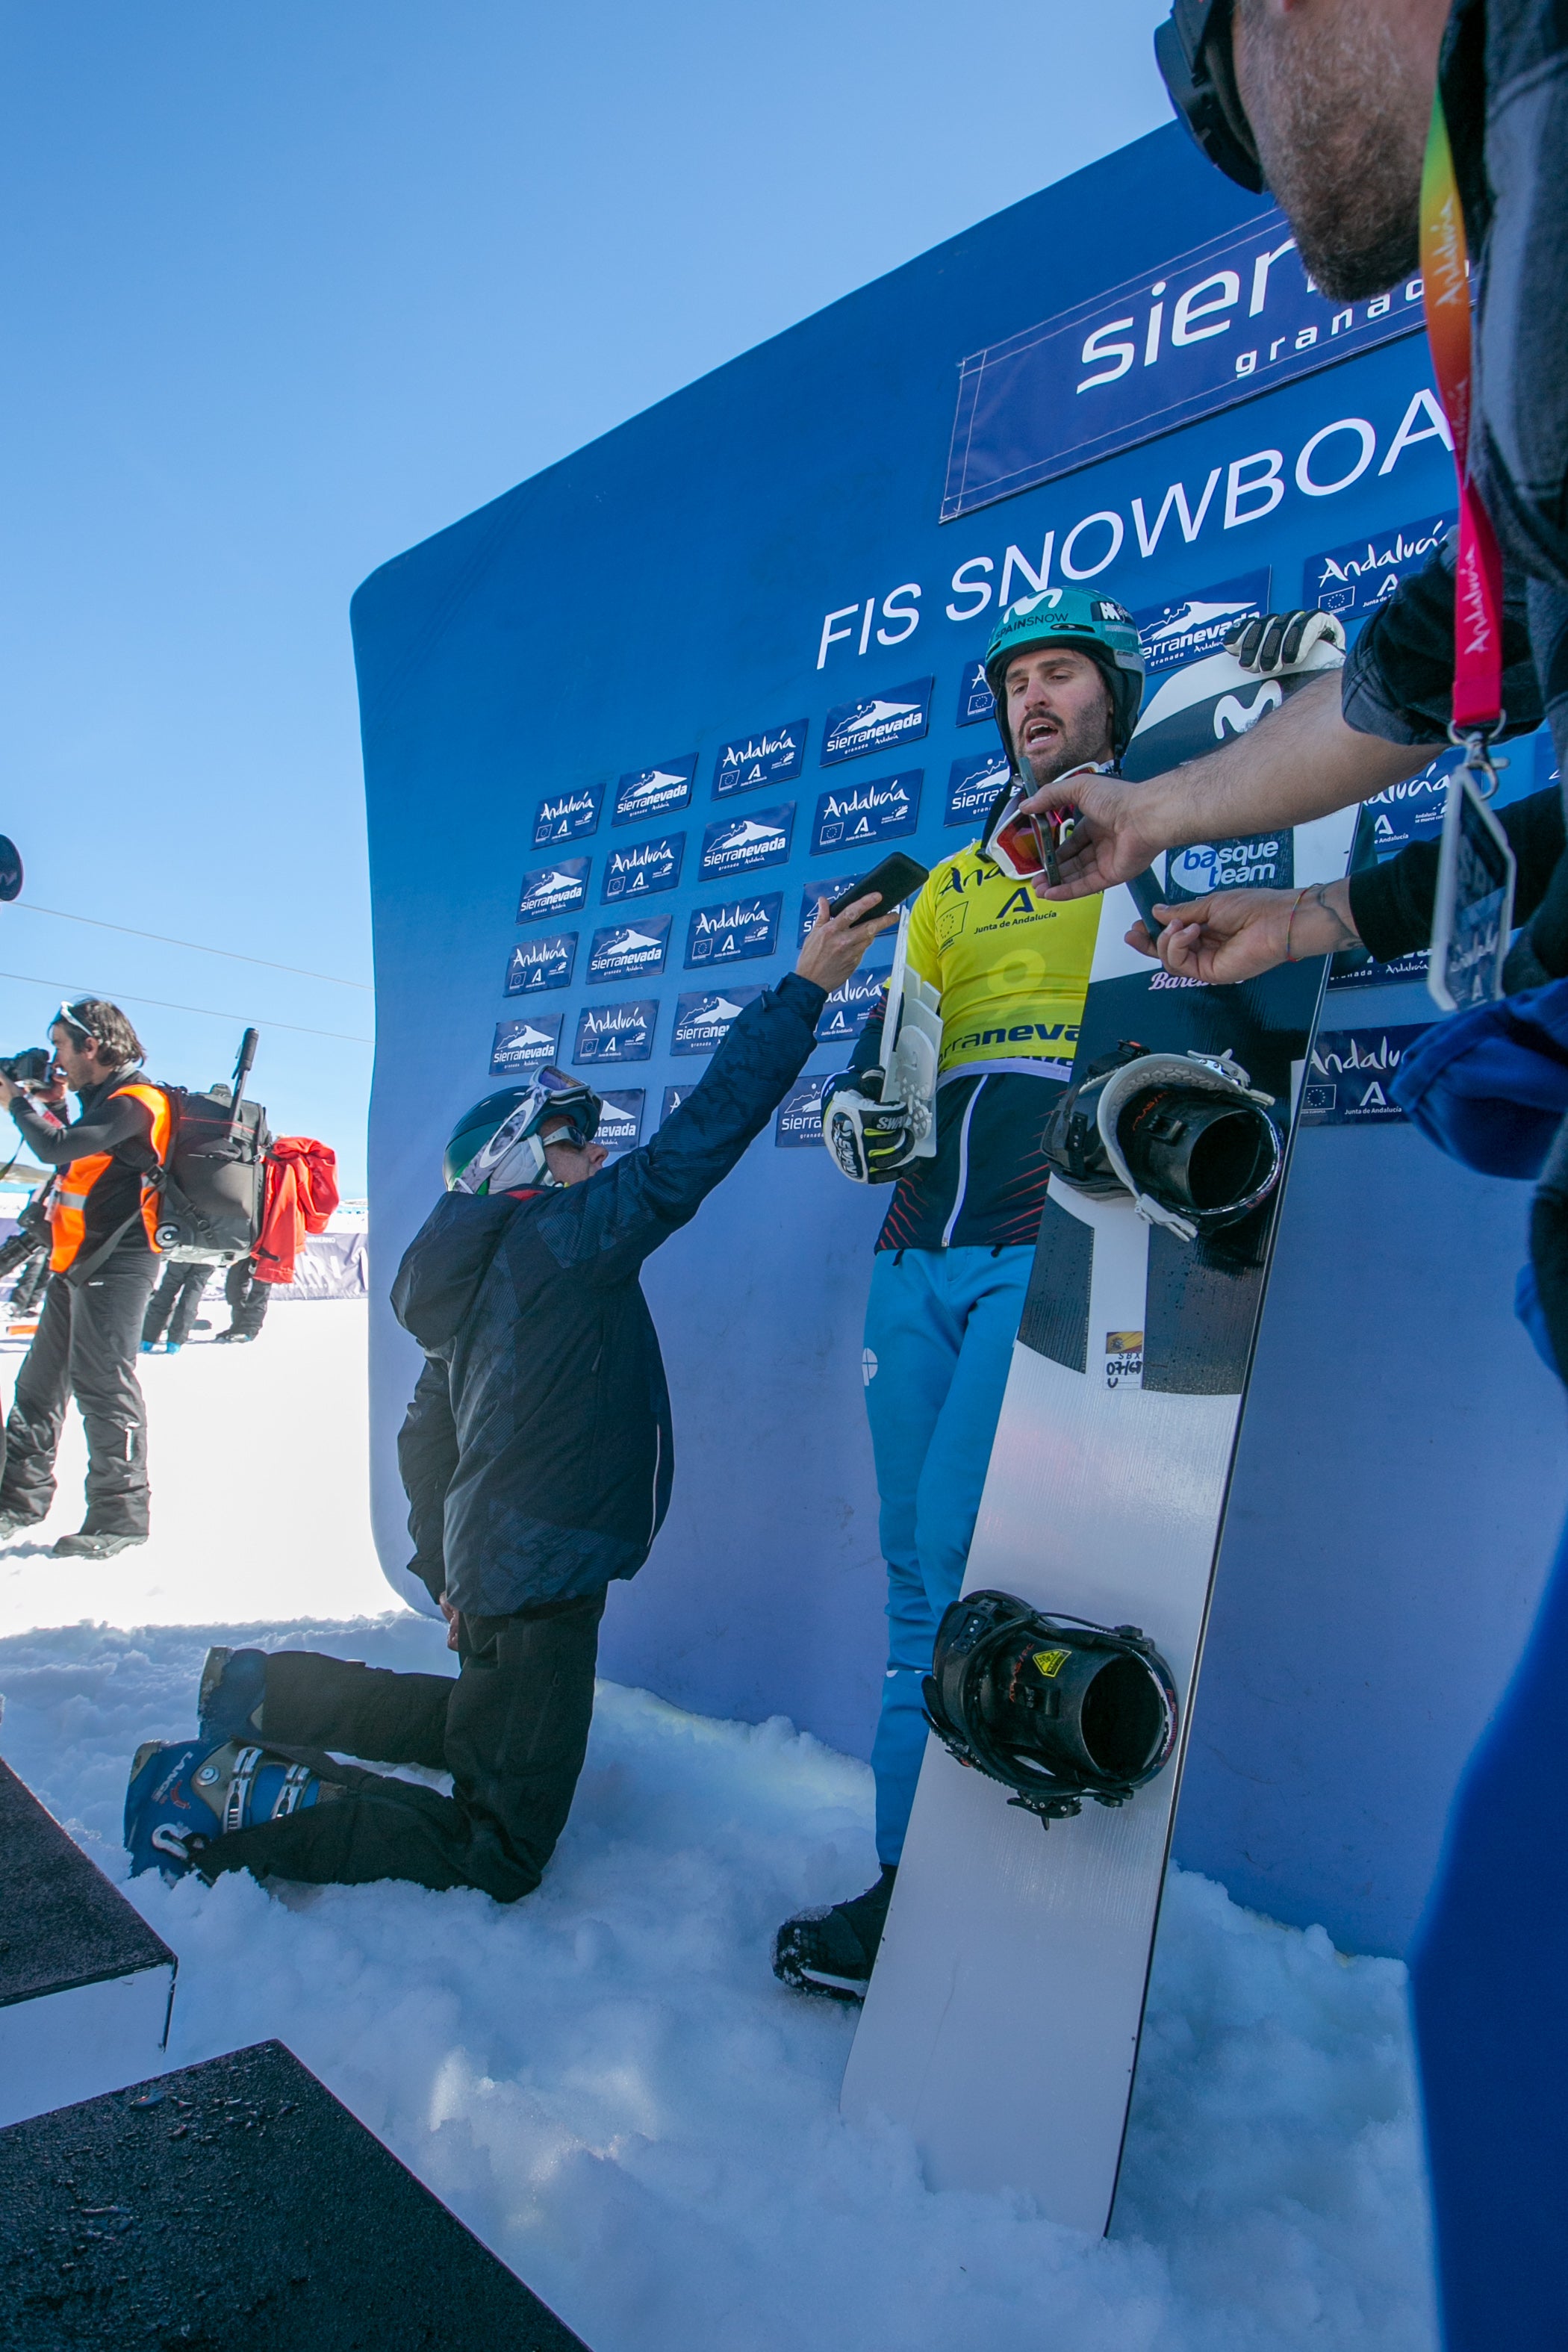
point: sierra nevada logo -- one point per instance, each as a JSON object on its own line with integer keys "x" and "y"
{"x": 629, "y": 950}
{"x": 831, "y": 889}
{"x": 654, "y": 792}
{"x": 620, "y": 1122}
{"x": 542, "y": 963}
{"x": 868, "y": 814}
{"x": 524, "y": 1045}
{"x": 973, "y": 784}
{"x": 637, "y": 873}
{"x": 799, "y": 1122}
{"x": 617, "y": 1032}
{"x": 702, "y": 1020}
{"x": 1363, "y": 573}
{"x": 773, "y": 755}
{"x": 558, "y": 889}
{"x": 564, "y": 816}
{"x": 878, "y": 723}
{"x": 1185, "y": 631}
{"x": 739, "y": 928}
{"x": 739, "y": 844}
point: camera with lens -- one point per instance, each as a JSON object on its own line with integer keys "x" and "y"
{"x": 28, "y": 1068}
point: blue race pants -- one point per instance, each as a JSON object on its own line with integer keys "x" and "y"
{"x": 940, "y": 1328}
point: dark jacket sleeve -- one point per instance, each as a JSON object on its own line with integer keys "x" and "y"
{"x": 1391, "y": 904}
{"x": 427, "y": 1457}
{"x": 605, "y": 1227}
{"x": 111, "y": 1125}
{"x": 868, "y": 1044}
{"x": 1398, "y": 678}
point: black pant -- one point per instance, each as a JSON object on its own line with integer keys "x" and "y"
{"x": 247, "y": 1298}
{"x": 85, "y": 1346}
{"x": 511, "y": 1729}
{"x": 174, "y": 1302}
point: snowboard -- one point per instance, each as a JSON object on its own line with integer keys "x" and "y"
{"x": 1002, "y": 2020}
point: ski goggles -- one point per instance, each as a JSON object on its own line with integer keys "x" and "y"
{"x": 1029, "y": 843}
{"x": 568, "y": 1099}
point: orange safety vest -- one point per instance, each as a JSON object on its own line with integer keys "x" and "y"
{"x": 68, "y": 1203}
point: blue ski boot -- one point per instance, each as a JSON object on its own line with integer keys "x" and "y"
{"x": 181, "y": 1798}
{"x": 229, "y": 1702}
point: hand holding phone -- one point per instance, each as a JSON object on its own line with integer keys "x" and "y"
{"x": 896, "y": 878}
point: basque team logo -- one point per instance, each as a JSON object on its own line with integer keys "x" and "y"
{"x": 878, "y": 723}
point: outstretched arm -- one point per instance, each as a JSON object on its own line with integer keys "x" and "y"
{"x": 1302, "y": 761}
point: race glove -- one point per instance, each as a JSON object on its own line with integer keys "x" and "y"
{"x": 1274, "y": 645}
{"x": 871, "y": 1141}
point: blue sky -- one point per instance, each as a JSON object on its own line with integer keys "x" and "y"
{"x": 288, "y": 288}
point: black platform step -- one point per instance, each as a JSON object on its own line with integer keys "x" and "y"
{"x": 239, "y": 2207}
{"x": 85, "y": 1984}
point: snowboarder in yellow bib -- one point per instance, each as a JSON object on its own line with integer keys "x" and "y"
{"x": 991, "y": 978}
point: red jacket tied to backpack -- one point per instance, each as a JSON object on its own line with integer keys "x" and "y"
{"x": 301, "y": 1193}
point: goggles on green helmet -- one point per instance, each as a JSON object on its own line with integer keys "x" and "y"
{"x": 1193, "y": 51}
{"x": 500, "y": 1143}
{"x": 1095, "y": 625}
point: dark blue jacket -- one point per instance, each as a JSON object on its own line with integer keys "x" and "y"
{"x": 538, "y": 1452}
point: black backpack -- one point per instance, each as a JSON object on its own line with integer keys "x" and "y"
{"x": 212, "y": 1186}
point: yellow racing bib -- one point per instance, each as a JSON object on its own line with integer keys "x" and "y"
{"x": 1011, "y": 969}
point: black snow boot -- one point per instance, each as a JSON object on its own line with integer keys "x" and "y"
{"x": 834, "y": 1951}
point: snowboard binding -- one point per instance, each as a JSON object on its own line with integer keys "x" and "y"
{"x": 1056, "y": 1708}
{"x": 181, "y": 1798}
{"x": 1188, "y": 1135}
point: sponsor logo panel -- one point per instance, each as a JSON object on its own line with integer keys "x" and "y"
{"x": 1355, "y": 579}
{"x": 1197, "y": 625}
{"x": 1259, "y": 861}
{"x": 542, "y": 963}
{"x": 798, "y": 1123}
{"x": 629, "y": 951}
{"x": 523, "y": 1046}
{"x": 567, "y": 816}
{"x": 975, "y": 699}
{"x": 735, "y": 930}
{"x": 654, "y": 792}
{"x": 620, "y": 1122}
{"x": 862, "y": 816}
{"x": 829, "y": 887}
{"x": 1348, "y": 1072}
{"x": 972, "y": 784}
{"x": 849, "y": 1008}
{"x": 739, "y": 844}
{"x": 702, "y": 1017}
{"x": 559, "y": 888}
{"x": 638, "y": 870}
{"x": 617, "y": 1032}
{"x": 878, "y": 722}
{"x": 771, "y": 755}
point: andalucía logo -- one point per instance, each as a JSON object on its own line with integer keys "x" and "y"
{"x": 673, "y": 1098}
{"x": 617, "y": 1032}
{"x": 620, "y": 1122}
{"x": 975, "y": 699}
{"x": 1412, "y": 811}
{"x": 654, "y": 792}
{"x": 1193, "y": 626}
{"x": 566, "y": 817}
{"x": 629, "y": 951}
{"x": 773, "y": 755}
{"x": 879, "y": 723}
{"x": 739, "y": 844}
{"x": 830, "y": 888}
{"x": 739, "y": 928}
{"x": 521, "y": 1045}
{"x": 558, "y": 889}
{"x": 973, "y": 784}
{"x": 849, "y": 1008}
{"x": 542, "y": 963}
{"x": 1354, "y": 579}
{"x": 1379, "y": 975}
{"x": 799, "y": 1122}
{"x": 651, "y": 866}
{"x": 1348, "y": 1076}
{"x": 859, "y": 816}
{"x": 702, "y": 1019}
{"x": 1263, "y": 861}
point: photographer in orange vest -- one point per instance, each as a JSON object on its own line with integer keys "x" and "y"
{"x": 102, "y": 1265}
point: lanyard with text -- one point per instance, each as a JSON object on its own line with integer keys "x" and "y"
{"x": 1474, "y": 909}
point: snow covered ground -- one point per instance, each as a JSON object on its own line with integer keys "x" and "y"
{"x": 605, "y": 2081}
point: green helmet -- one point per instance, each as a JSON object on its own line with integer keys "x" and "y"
{"x": 521, "y": 1111}
{"x": 1095, "y": 625}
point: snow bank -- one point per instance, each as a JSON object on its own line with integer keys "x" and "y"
{"x": 608, "y": 2086}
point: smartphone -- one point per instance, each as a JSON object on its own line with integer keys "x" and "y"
{"x": 896, "y": 878}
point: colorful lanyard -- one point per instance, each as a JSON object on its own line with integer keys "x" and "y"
{"x": 1478, "y": 598}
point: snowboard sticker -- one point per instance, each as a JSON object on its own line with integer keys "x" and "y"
{"x": 1104, "y": 1500}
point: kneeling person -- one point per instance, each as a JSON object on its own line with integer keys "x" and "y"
{"x": 538, "y": 1459}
